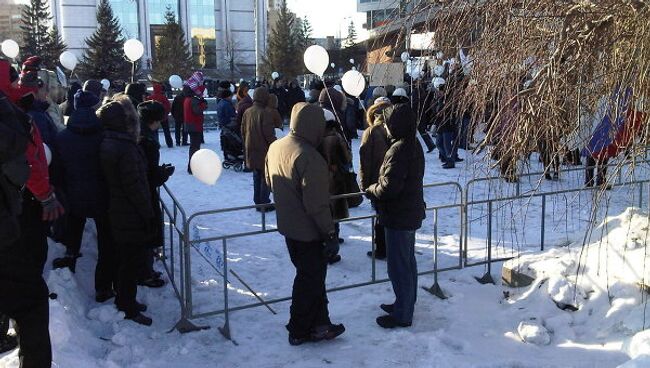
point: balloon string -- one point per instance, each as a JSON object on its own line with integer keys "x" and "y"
{"x": 338, "y": 119}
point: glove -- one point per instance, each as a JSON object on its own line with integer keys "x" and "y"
{"x": 331, "y": 245}
{"x": 168, "y": 170}
{"x": 52, "y": 208}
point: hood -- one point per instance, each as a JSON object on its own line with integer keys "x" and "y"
{"x": 135, "y": 91}
{"x": 85, "y": 99}
{"x": 375, "y": 114}
{"x": 273, "y": 101}
{"x": 336, "y": 101}
{"x": 308, "y": 122}
{"x": 401, "y": 121}
{"x": 261, "y": 96}
{"x": 158, "y": 89}
{"x": 119, "y": 115}
{"x": 84, "y": 121}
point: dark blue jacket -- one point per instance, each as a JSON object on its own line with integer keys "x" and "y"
{"x": 225, "y": 112}
{"x": 45, "y": 125}
{"x": 78, "y": 167}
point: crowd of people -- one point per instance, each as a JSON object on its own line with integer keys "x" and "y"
{"x": 105, "y": 167}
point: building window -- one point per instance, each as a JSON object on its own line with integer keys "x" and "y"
{"x": 158, "y": 8}
{"x": 126, "y": 12}
{"x": 202, "y": 31}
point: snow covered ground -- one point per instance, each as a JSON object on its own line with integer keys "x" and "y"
{"x": 477, "y": 326}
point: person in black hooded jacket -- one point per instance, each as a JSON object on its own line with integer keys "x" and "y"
{"x": 399, "y": 198}
{"x": 177, "y": 113}
{"x": 130, "y": 211}
{"x": 151, "y": 114}
{"x": 79, "y": 175}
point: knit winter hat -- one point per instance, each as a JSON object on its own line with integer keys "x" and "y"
{"x": 93, "y": 86}
{"x": 195, "y": 81}
{"x": 85, "y": 99}
{"x": 33, "y": 63}
{"x": 150, "y": 111}
{"x": 111, "y": 115}
{"x": 379, "y": 92}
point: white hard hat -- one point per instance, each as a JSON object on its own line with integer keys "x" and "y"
{"x": 400, "y": 92}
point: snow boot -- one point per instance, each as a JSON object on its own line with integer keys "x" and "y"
{"x": 388, "y": 321}
{"x": 388, "y": 308}
{"x": 8, "y": 343}
{"x": 152, "y": 282}
{"x": 326, "y": 332}
{"x": 378, "y": 256}
{"x": 69, "y": 261}
{"x": 140, "y": 318}
{"x": 334, "y": 259}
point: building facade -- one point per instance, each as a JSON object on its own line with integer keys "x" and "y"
{"x": 10, "y": 15}
{"x": 226, "y": 36}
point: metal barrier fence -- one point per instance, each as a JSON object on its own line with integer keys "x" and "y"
{"x": 177, "y": 253}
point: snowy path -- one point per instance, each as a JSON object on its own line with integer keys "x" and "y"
{"x": 475, "y": 327}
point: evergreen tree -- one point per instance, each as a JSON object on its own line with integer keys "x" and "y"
{"x": 351, "y": 39}
{"x": 35, "y": 19}
{"x": 53, "y": 49}
{"x": 104, "y": 57}
{"x": 304, "y": 34}
{"x": 172, "y": 51}
{"x": 283, "y": 52}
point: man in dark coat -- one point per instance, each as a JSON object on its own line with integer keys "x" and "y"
{"x": 79, "y": 175}
{"x": 399, "y": 197}
{"x": 298, "y": 176}
{"x": 24, "y": 292}
{"x": 177, "y": 114}
{"x": 151, "y": 115}
{"x": 130, "y": 211}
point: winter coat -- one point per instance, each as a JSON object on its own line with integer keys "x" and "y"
{"x": 398, "y": 193}
{"x": 14, "y": 169}
{"x": 283, "y": 102}
{"x": 46, "y": 126}
{"x": 335, "y": 104}
{"x": 193, "y": 108}
{"x": 226, "y": 114}
{"x": 337, "y": 155}
{"x": 156, "y": 177}
{"x": 243, "y": 105}
{"x": 298, "y": 176}
{"x": 257, "y": 130}
{"x": 124, "y": 166}
{"x": 273, "y": 111}
{"x": 374, "y": 144}
{"x": 78, "y": 167}
{"x": 294, "y": 95}
{"x": 177, "y": 104}
{"x": 159, "y": 96}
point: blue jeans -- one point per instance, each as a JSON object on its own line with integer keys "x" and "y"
{"x": 446, "y": 142}
{"x": 261, "y": 194}
{"x": 402, "y": 272}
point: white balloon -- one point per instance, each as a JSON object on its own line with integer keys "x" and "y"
{"x": 437, "y": 82}
{"x": 232, "y": 88}
{"x": 48, "y": 154}
{"x": 133, "y": 49}
{"x": 351, "y": 61}
{"x": 106, "y": 84}
{"x": 353, "y": 83}
{"x": 68, "y": 60}
{"x": 439, "y": 55}
{"x": 316, "y": 59}
{"x": 405, "y": 56}
{"x": 332, "y": 65}
{"x": 275, "y": 75}
{"x": 438, "y": 70}
{"x": 206, "y": 166}
{"x": 176, "y": 81}
{"x": 10, "y": 48}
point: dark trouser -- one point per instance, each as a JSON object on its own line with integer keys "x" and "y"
{"x": 403, "y": 272}
{"x": 146, "y": 268}
{"x": 550, "y": 159}
{"x": 106, "y": 263}
{"x": 380, "y": 240}
{"x": 600, "y": 166}
{"x": 463, "y": 133}
{"x": 130, "y": 258}
{"x": 168, "y": 134}
{"x": 195, "y": 145}
{"x": 447, "y": 147}
{"x": 261, "y": 193}
{"x": 180, "y": 132}
{"x": 309, "y": 298}
{"x": 25, "y": 300}
{"x": 33, "y": 230}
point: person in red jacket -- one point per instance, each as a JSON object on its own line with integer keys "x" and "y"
{"x": 193, "y": 107}
{"x": 159, "y": 96}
